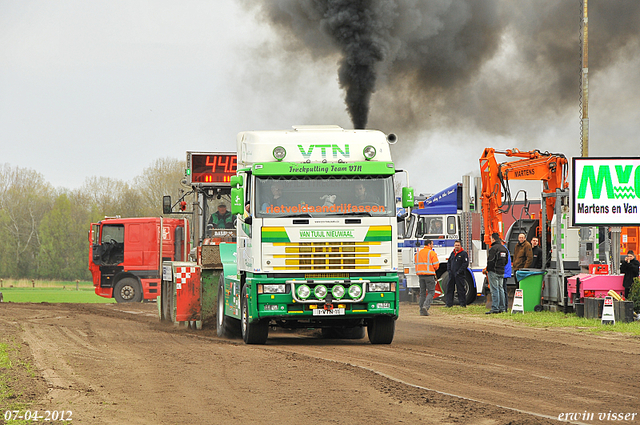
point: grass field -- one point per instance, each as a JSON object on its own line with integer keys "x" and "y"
{"x": 12, "y": 371}
{"x": 548, "y": 319}
{"x": 38, "y": 291}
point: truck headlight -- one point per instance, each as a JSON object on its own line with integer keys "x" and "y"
{"x": 369, "y": 152}
{"x": 338, "y": 291}
{"x": 380, "y": 286}
{"x": 279, "y": 153}
{"x": 304, "y": 292}
{"x": 355, "y": 291}
{"x": 320, "y": 292}
{"x": 275, "y": 289}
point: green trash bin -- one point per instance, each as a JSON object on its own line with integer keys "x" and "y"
{"x": 530, "y": 281}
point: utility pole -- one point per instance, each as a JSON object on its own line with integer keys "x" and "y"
{"x": 584, "y": 127}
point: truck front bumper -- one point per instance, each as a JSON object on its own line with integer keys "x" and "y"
{"x": 291, "y": 306}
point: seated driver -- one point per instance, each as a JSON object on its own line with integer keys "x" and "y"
{"x": 222, "y": 219}
{"x": 362, "y": 196}
{"x": 435, "y": 227}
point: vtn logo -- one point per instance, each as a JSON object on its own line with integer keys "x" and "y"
{"x": 603, "y": 178}
{"x": 323, "y": 150}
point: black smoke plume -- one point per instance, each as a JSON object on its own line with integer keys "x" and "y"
{"x": 351, "y": 24}
{"x": 500, "y": 66}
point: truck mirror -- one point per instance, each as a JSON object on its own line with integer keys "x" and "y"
{"x": 237, "y": 201}
{"x": 407, "y": 197}
{"x": 235, "y": 181}
{"x": 166, "y": 204}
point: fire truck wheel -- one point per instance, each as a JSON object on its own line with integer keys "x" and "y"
{"x": 252, "y": 333}
{"x": 127, "y": 290}
{"x": 226, "y": 327}
{"x": 381, "y": 329}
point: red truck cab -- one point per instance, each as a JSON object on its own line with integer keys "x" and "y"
{"x": 126, "y": 255}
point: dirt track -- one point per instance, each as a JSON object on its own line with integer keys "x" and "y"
{"x": 116, "y": 364}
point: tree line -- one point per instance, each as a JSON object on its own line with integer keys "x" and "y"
{"x": 44, "y": 230}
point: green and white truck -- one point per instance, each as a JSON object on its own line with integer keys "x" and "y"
{"x": 316, "y": 238}
{"x": 316, "y": 235}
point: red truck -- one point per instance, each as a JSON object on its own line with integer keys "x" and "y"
{"x": 126, "y": 255}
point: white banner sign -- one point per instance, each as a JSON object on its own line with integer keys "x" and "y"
{"x": 606, "y": 191}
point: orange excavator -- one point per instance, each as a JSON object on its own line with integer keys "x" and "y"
{"x": 549, "y": 168}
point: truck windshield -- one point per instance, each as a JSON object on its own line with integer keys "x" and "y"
{"x": 113, "y": 232}
{"x": 322, "y": 196}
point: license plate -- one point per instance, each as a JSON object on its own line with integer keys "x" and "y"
{"x": 334, "y": 312}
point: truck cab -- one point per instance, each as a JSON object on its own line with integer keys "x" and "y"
{"x": 442, "y": 219}
{"x": 126, "y": 254}
{"x": 316, "y": 234}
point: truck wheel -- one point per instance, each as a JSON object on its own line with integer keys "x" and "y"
{"x": 252, "y": 333}
{"x": 127, "y": 290}
{"x": 444, "y": 280}
{"x": 468, "y": 286}
{"x": 226, "y": 327}
{"x": 166, "y": 301}
{"x": 381, "y": 329}
{"x": 471, "y": 290}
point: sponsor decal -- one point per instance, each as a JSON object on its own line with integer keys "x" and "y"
{"x": 335, "y": 149}
{"x": 340, "y": 208}
{"x": 330, "y": 168}
{"x": 326, "y": 233}
{"x": 606, "y": 191}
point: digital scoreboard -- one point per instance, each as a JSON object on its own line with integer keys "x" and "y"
{"x": 211, "y": 168}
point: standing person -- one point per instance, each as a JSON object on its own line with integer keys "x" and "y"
{"x": 629, "y": 268}
{"x": 496, "y": 261}
{"x": 457, "y": 266}
{"x": 507, "y": 274}
{"x": 536, "y": 251}
{"x": 522, "y": 255}
{"x": 427, "y": 263}
{"x": 222, "y": 218}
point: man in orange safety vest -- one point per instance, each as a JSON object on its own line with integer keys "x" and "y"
{"x": 427, "y": 263}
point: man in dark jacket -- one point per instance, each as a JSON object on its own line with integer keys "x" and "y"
{"x": 537, "y": 254}
{"x": 457, "y": 266}
{"x": 629, "y": 267}
{"x": 496, "y": 261}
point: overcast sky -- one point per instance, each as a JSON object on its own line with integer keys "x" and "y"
{"x": 102, "y": 88}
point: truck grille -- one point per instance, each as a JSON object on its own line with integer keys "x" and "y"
{"x": 318, "y": 256}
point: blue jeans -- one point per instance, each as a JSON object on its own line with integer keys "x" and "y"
{"x": 497, "y": 293}
{"x": 506, "y": 295}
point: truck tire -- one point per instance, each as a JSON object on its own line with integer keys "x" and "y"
{"x": 127, "y": 290}
{"x": 381, "y": 329}
{"x": 471, "y": 292}
{"x": 164, "y": 302}
{"x": 226, "y": 327}
{"x": 252, "y": 333}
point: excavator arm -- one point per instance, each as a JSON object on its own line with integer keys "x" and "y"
{"x": 550, "y": 169}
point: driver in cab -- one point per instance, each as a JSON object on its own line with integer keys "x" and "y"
{"x": 362, "y": 196}
{"x": 221, "y": 219}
